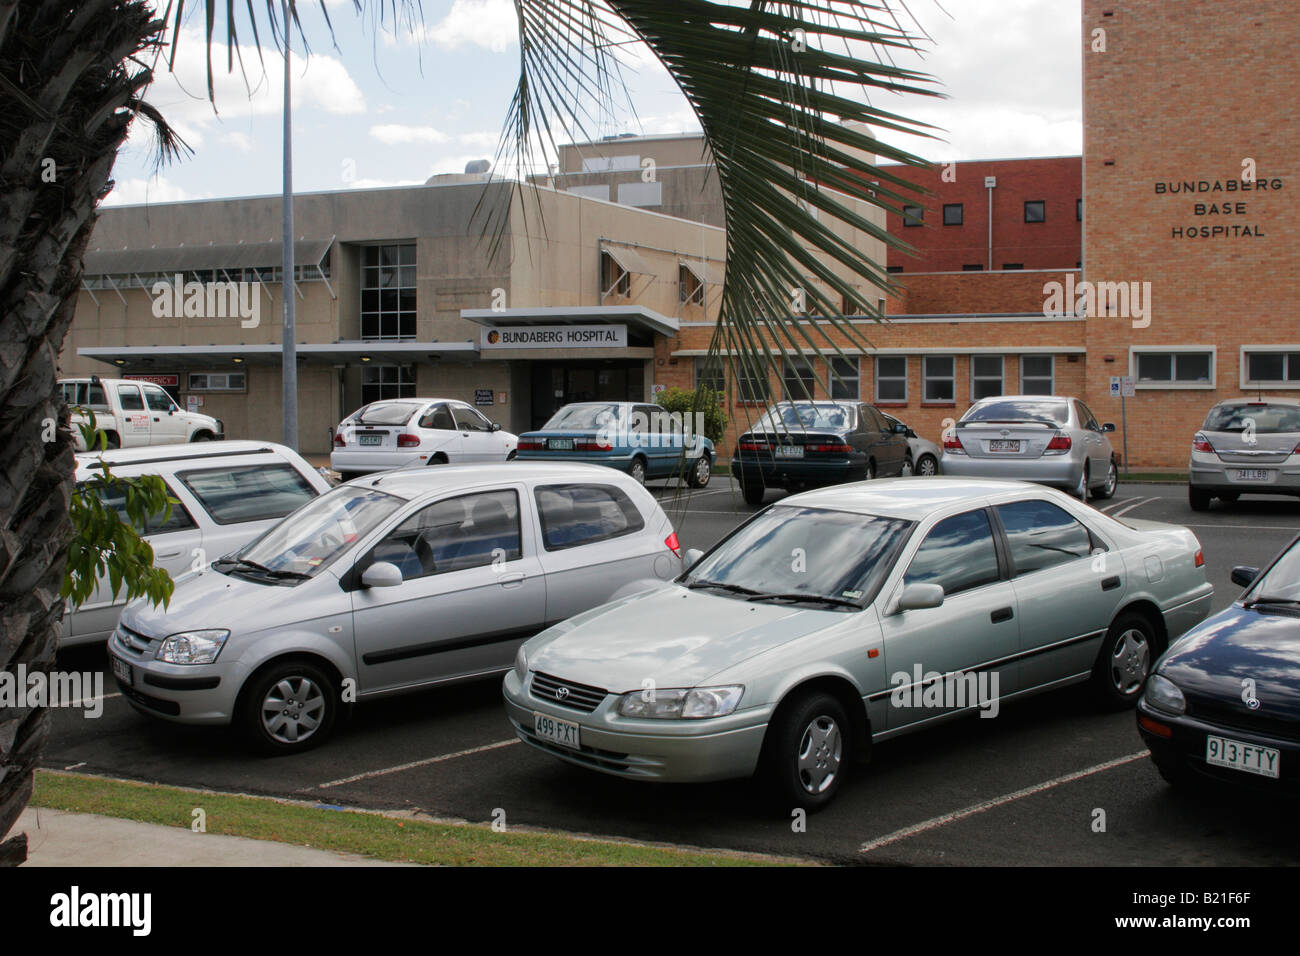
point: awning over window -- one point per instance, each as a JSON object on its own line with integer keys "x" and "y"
{"x": 243, "y": 255}
{"x": 632, "y": 315}
{"x": 629, "y": 260}
{"x": 706, "y": 272}
{"x": 141, "y": 358}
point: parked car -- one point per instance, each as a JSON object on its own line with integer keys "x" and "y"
{"x": 397, "y": 582}
{"x": 1224, "y": 701}
{"x": 1246, "y": 446}
{"x": 829, "y": 620}
{"x": 225, "y": 497}
{"x": 401, "y": 431}
{"x": 805, "y": 444}
{"x": 922, "y": 454}
{"x": 132, "y": 414}
{"x": 1054, "y": 440}
{"x": 644, "y": 440}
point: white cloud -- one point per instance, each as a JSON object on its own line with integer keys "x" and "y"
{"x": 480, "y": 140}
{"x": 490, "y": 24}
{"x": 395, "y": 134}
{"x": 155, "y": 190}
{"x": 237, "y": 140}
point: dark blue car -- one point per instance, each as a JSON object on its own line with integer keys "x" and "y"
{"x": 1224, "y": 700}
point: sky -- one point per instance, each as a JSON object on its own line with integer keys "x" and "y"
{"x": 376, "y": 107}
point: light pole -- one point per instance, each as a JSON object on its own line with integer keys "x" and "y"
{"x": 289, "y": 351}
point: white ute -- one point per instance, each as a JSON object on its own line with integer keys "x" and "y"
{"x": 133, "y": 414}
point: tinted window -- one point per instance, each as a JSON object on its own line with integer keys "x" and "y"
{"x": 470, "y": 420}
{"x": 455, "y": 534}
{"x": 248, "y": 492}
{"x": 1051, "y": 413}
{"x": 438, "y": 417}
{"x": 387, "y": 413}
{"x": 1042, "y": 535}
{"x": 957, "y": 554}
{"x": 574, "y": 515}
{"x": 128, "y": 397}
{"x": 1268, "y": 418}
{"x": 114, "y": 497}
{"x": 159, "y": 401}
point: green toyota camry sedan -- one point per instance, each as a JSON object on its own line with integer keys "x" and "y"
{"x": 852, "y": 614}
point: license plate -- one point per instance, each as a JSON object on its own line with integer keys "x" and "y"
{"x": 562, "y": 732}
{"x": 1236, "y": 755}
{"x": 121, "y": 670}
{"x": 370, "y": 440}
{"x": 1004, "y": 444}
{"x": 789, "y": 451}
{"x": 560, "y": 444}
{"x": 1250, "y": 474}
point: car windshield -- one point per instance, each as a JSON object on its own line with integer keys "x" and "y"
{"x": 1268, "y": 418}
{"x": 583, "y": 416}
{"x": 387, "y": 413}
{"x": 1028, "y": 410}
{"x": 803, "y": 554}
{"x": 317, "y": 533}
{"x": 801, "y": 415}
{"x": 1281, "y": 583}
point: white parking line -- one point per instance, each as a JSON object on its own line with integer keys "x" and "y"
{"x": 87, "y": 700}
{"x": 1292, "y": 529}
{"x": 416, "y": 763}
{"x": 947, "y": 818}
{"x": 1128, "y": 508}
{"x": 1114, "y": 504}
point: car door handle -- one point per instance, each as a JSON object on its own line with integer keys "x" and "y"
{"x": 1001, "y": 614}
{"x": 511, "y": 580}
{"x": 167, "y": 554}
{"x": 1110, "y": 583}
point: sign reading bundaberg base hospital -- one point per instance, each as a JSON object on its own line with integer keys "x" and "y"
{"x": 555, "y": 337}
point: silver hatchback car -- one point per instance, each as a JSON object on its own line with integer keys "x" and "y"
{"x": 1050, "y": 439}
{"x": 853, "y": 614}
{"x": 1246, "y": 446}
{"x": 387, "y": 584}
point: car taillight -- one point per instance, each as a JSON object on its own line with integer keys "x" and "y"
{"x": 591, "y": 446}
{"x": 1059, "y": 443}
{"x": 673, "y": 546}
{"x": 339, "y": 441}
{"x": 751, "y": 446}
{"x": 839, "y": 449}
{"x": 1201, "y": 443}
{"x": 1296, "y": 449}
{"x": 408, "y": 441}
{"x": 952, "y": 445}
{"x": 530, "y": 444}
{"x": 1200, "y": 558}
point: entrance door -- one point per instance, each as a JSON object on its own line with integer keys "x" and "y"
{"x": 555, "y": 385}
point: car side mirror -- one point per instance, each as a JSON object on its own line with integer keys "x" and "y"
{"x": 1244, "y": 576}
{"x": 496, "y": 427}
{"x": 1108, "y": 427}
{"x": 690, "y": 557}
{"x": 918, "y": 597}
{"x": 381, "y": 574}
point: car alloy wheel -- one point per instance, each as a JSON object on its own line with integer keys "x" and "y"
{"x": 1081, "y": 489}
{"x": 927, "y": 467}
{"x": 637, "y": 471}
{"x": 1112, "y": 482}
{"x": 701, "y": 473}
{"x": 820, "y": 753}
{"x": 292, "y": 710}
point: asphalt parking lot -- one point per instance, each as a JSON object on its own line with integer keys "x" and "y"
{"x": 1052, "y": 780}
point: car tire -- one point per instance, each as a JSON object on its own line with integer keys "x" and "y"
{"x": 751, "y": 491}
{"x": 701, "y": 473}
{"x": 1173, "y": 772}
{"x": 511, "y": 456}
{"x": 1124, "y": 662}
{"x": 927, "y": 466}
{"x": 806, "y": 752}
{"x": 1230, "y": 498}
{"x": 438, "y": 459}
{"x": 1197, "y": 499}
{"x": 637, "y": 470}
{"x": 1081, "y": 489}
{"x": 311, "y": 704}
{"x": 112, "y": 442}
{"x": 870, "y": 474}
{"x": 201, "y": 436}
{"x": 1112, "y": 482}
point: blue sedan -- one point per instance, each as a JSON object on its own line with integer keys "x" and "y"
{"x": 644, "y": 440}
{"x": 1224, "y": 701}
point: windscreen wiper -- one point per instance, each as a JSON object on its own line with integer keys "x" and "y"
{"x": 734, "y": 588}
{"x": 813, "y": 598}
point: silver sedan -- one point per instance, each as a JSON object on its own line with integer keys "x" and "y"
{"x": 1246, "y": 446}
{"x": 1054, "y": 440}
{"x": 852, "y": 614}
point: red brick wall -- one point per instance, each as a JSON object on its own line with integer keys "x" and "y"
{"x": 978, "y": 292}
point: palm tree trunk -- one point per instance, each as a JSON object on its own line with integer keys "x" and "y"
{"x": 68, "y": 92}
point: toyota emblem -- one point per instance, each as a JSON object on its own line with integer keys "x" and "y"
{"x": 561, "y": 693}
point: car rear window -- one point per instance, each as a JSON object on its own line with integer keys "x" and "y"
{"x": 1268, "y": 418}
{"x": 387, "y": 413}
{"x": 1049, "y": 413}
{"x": 574, "y": 515}
{"x": 239, "y": 493}
{"x": 584, "y": 416}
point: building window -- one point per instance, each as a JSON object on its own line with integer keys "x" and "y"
{"x": 1271, "y": 367}
{"x": 952, "y": 214}
{"x": 379, "y": 382}
{"x": 913, "y": 215}
{"x": 216, "y": 382}
{"x": 985, "y": 376}
{"x": 710, "y": 374}
{"x": 845, "y": 382}
{"x": 1037, "y": 375}
{"x": 894, "y": 270}
{"x": 1035, "y": 210}
{"x": 751, "y": 378}
{"x": 797, "y": 378}
{"x": 690, "y": 290}
{"x": 1175, "y": 368}
{"x": 1078, "y": 210}
{"x": 1013, "y": 265}
{"x": 614, "y": 279}
{"x": 388, "y": 292}
{"x": 891, "y": 378}
{"x": 938, "y": 378}
{"x": 973, "y": 267}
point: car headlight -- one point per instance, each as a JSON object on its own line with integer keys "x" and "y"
{"x": 689, "y": 703}
{"x": 192, "y": 647}
{"x": 521, "y": 664}
{"x": 1164, "y": 695}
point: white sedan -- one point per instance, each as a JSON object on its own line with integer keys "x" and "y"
{"x": 433, "y": 431}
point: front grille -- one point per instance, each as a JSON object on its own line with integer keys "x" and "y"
{"x": 1234, "y": 716}
{"x": 134, "y": 644}
{"x": 580, "y": 697}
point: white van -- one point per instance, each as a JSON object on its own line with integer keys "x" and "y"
{"x": 226, "y": 494}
